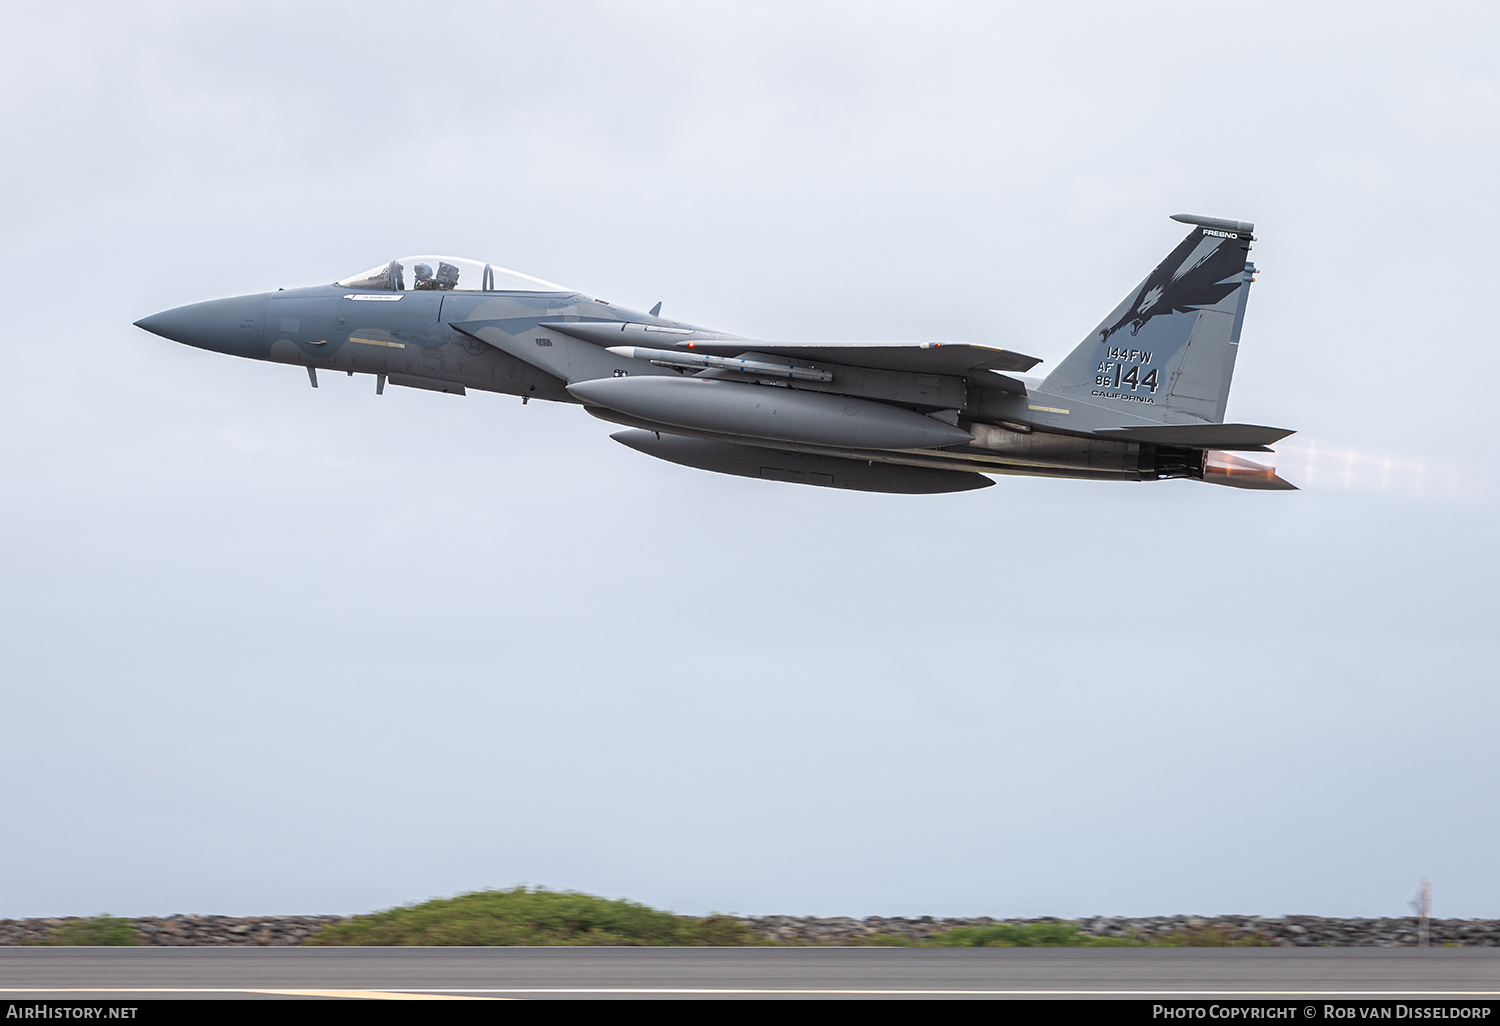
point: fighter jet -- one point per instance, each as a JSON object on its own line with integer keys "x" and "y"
{"x": 907, "y": 417}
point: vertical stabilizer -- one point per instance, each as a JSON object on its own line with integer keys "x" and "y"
{"x": 1167, "y": 352}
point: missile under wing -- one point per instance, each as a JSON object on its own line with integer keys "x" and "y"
{"x": 1142, "y": 398}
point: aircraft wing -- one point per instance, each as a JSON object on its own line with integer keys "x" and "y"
{"x": 912, "y": 357}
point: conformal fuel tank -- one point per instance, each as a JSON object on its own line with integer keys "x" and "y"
{"x": 799, "y": 467}
{"x": 765, "y": 411}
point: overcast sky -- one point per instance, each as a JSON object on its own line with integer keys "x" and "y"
{"x": 267, "y": 649}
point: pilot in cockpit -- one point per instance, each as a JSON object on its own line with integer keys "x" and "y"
{"x": 445, "y": 280}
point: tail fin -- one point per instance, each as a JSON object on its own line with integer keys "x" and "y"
{"x": 1169, "y": 348}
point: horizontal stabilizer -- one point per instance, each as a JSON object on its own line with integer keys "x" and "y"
{"x": 1244, "y": 437}
{"x": 798, "y": 467}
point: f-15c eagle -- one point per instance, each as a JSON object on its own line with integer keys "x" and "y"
{"x": 913, "y": 417}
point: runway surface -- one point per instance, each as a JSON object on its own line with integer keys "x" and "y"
{"x": 1182, "y": 973}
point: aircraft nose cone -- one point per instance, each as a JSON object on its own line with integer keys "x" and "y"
{"x": 224, "y": 325}
{"x": 163, "y": 324}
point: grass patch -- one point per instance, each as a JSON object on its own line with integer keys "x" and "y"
{"x": 531, "y": 916}
{"x": 1058, "y": 934}
{"x": 103, "y": 930}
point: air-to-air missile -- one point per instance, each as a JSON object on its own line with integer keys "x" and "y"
{"x": 702, "y": 361}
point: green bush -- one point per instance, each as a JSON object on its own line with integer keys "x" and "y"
{"x": 531, "y": 916}
{"x": 94, "y": 931}
{"x": 717, "y": 931}
{"x": 1056, "y": 934}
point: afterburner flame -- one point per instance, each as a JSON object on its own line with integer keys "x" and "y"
{"x": 1324, "y": 465}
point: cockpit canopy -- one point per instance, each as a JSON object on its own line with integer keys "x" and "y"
{"x": 446, "y": 274}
